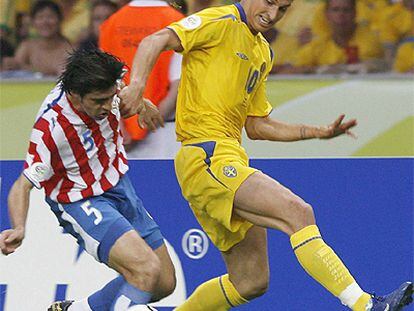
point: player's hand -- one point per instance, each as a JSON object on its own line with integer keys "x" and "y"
{"x": 10, "y": 240}
{"x": 130, "y": 101}
{"x": 337, "y": 128}
{"x": 150, "y": 117}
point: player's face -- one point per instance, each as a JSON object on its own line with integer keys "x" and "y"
{"x": 98, "y": 104}
{"x": 263, "y": 14}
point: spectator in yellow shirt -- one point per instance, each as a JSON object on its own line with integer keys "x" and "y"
{"x": 9, "y": 10}
{"x": 396, "y": 23}
{"x": 292, "y": 32}
{"x": 404, "y": 61}
{"x": 368, "y": 14}
{"x": 76, "y": 18}
{"x": 348, "y": 48}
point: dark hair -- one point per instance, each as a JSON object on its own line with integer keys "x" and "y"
{"x": 43, "y": 4}
{"x": 107, "y": 3}
{"x": 88, "y": 71}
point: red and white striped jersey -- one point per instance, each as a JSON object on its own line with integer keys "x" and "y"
{"x": 71, "y": 155}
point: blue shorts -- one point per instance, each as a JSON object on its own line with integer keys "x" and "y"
{"x": 97, "y": 222}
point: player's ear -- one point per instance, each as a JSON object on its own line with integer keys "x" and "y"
{"x": 76, "y": 98}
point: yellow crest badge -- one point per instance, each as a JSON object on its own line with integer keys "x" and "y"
{"x": 230, "y": 171}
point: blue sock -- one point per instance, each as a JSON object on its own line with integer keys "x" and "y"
{"x": 103, "y": 299}
{"x": 129, "y": 296}
{"x": 106, "y": 298}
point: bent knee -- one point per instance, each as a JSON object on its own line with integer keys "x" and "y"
{"x": 251, "y": 285}
{"x": 143, "y": 272}
{"x": 254, "y": 289}
{"x": 301, "y": 215}
{"x": 169, "y": 285}
{"x": 165, "y": 288}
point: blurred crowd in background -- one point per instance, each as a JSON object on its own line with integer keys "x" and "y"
{"x": 316, "y": 36}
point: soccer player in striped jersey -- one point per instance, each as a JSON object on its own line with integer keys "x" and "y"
{"x": 226, "y": 62}
{"x": 76, "y": 154}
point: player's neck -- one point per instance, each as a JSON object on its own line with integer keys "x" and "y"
{"x": 244, "y": 6}
{"x": 74, "y": 102}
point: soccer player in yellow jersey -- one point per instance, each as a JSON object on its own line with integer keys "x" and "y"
{"x": 225, "y": 65}
{"x": 348, "y": 47}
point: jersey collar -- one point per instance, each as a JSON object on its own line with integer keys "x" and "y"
{"x": 241, "y": 12}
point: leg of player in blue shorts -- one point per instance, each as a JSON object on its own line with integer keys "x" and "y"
{"x": 76, "y": 155}
{"x": 119, "y": 232}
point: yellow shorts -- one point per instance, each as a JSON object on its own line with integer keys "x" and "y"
{"x": 209, "y": 173}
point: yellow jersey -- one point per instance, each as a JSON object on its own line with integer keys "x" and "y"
{"x": 77, "y": 22}
{"x": 404, "y": 60}
{"x": 223, "y": 75}
{"x": 368, "y": 14}
{"x": 364, "y": 45}
{"x": 396, "y": 24}
{"x": 300, "y": 15}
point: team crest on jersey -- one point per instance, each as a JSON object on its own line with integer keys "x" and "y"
{"x": 191, "y": 22}
{"x": 39, "y": 171}
{"x": 230, "y": 171}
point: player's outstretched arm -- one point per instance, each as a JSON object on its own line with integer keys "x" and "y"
{"x": 18, "y": 202}
{"x": 145, "y": 58}
{"x": 265, "y": 128}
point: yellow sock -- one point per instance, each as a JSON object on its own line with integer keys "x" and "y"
{"x": 321, "y": 262}
{"x": 217, "y": 294}
{"x": 362, "y": 303}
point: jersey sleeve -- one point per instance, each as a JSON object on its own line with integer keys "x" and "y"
{"x": 38, "y": 168}
{"x": 259, "y": 105}
{"x": 200, "y": 30}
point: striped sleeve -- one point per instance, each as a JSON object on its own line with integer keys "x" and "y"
{"x": 38, "y": 167}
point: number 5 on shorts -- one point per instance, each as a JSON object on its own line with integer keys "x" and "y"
{"x": 92, "y": 210}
